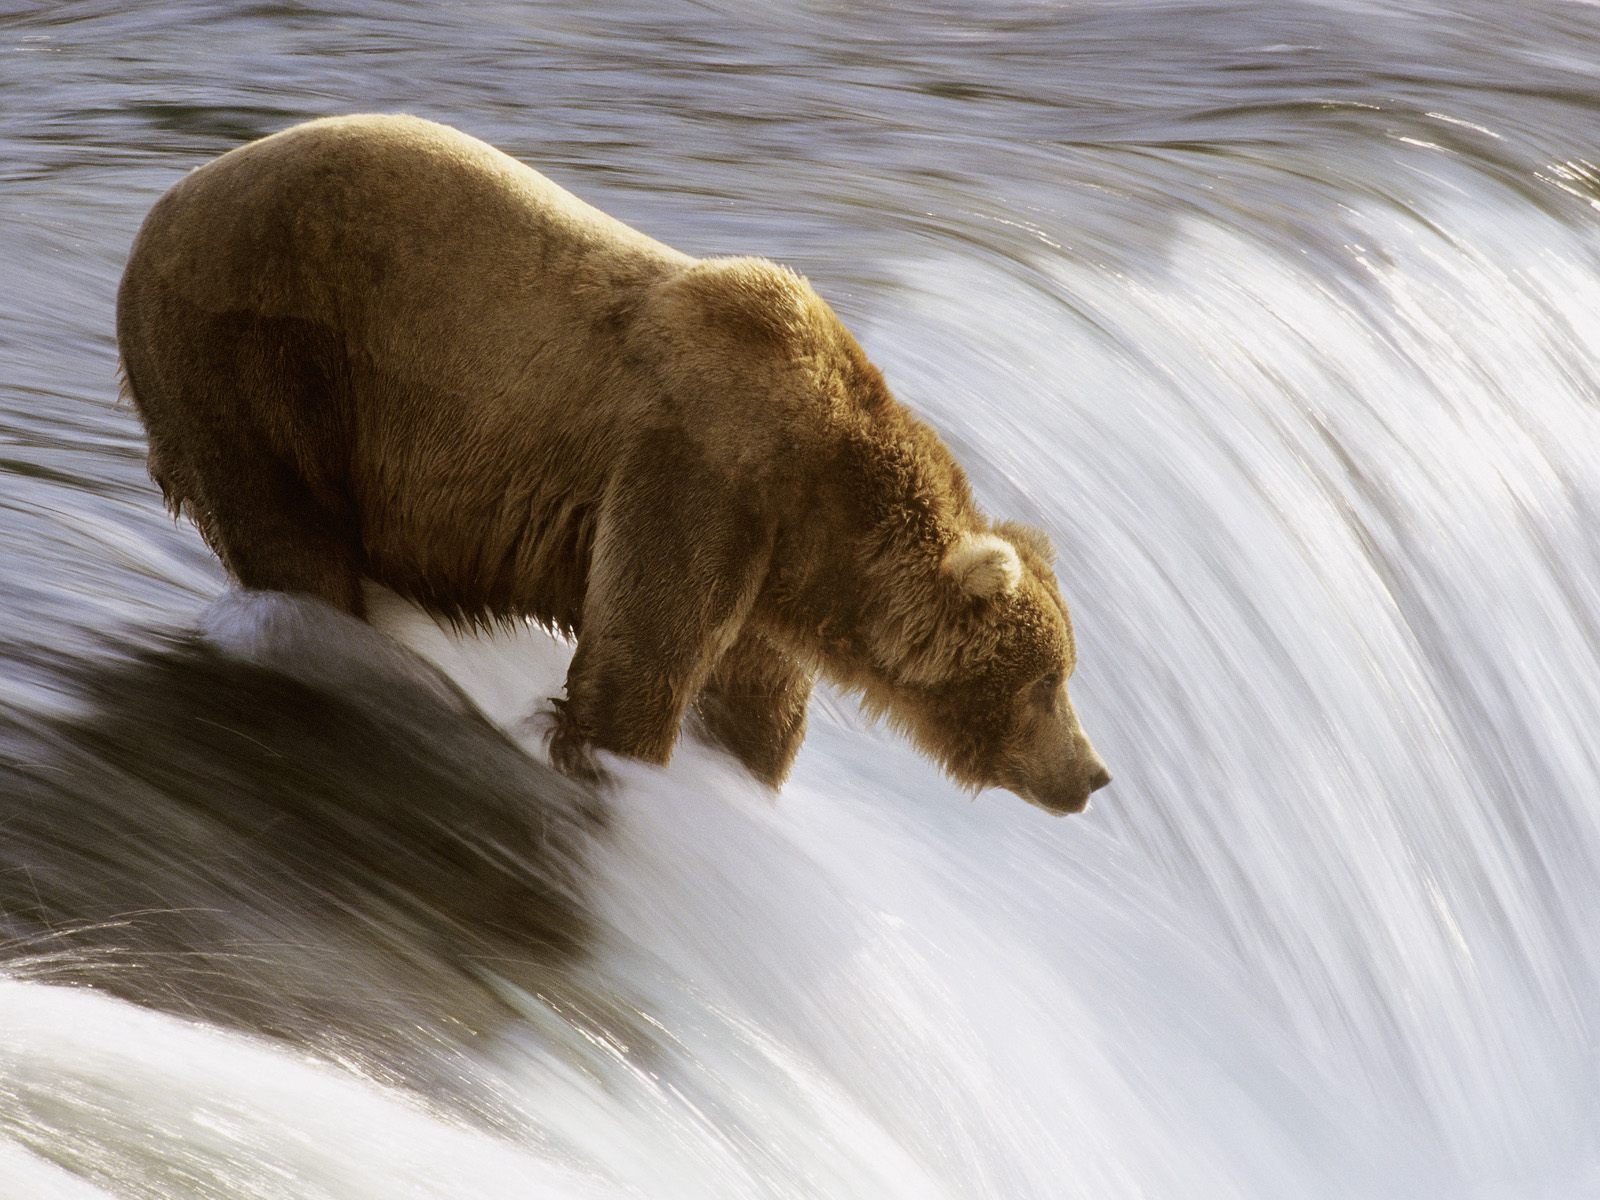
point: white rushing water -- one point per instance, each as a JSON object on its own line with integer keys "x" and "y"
{"x": 1278, "y": 318}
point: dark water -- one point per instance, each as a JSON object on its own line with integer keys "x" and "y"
{"x": 1279, "y": 317}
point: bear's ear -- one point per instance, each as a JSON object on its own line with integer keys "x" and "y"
{"x": 1026, "y": 535}
{"x": 748, "y": 298}
{"x": 983, "y": 565}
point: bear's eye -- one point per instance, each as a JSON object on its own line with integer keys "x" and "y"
{"x": 1047, "y": 691}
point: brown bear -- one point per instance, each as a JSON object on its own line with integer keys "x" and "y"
{"x": 373, "y": 346}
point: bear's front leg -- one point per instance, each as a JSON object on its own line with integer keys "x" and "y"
{"x": 678, "y": 560}
{"x": 623, "y": 698}
{"x": 754, "y": 707}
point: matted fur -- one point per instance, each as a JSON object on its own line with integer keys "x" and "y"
{"x": 374, "y": 346}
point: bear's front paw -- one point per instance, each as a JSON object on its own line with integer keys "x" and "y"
{"x": 571, "y": 750}
{"x": 575, "y": 760}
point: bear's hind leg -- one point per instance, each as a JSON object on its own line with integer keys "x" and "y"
{"x": 230, "y": 403}
{"x": 272, "y": 534}
{"x": 754, "y": 707}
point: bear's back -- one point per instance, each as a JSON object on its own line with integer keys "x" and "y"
{"x": 392, "y": 228}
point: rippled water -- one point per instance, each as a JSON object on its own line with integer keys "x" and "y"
{"x": 1279, "y": 317}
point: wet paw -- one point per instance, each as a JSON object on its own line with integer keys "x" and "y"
{"x": 571, "y": 750}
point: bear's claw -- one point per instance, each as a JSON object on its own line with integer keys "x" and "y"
{"x": 571, "y": 751}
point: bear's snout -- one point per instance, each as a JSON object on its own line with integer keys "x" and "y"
{"x": 1070, "y": 789}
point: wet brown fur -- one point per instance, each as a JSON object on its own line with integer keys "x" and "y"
{"x": 375, "y": 347}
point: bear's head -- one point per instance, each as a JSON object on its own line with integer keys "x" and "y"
{"x": 983, "y": 689}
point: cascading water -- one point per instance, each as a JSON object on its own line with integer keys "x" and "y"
{"x": 1277, "y": 317}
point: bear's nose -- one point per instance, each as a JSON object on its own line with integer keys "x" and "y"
{"x": 1099, "y": 779}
